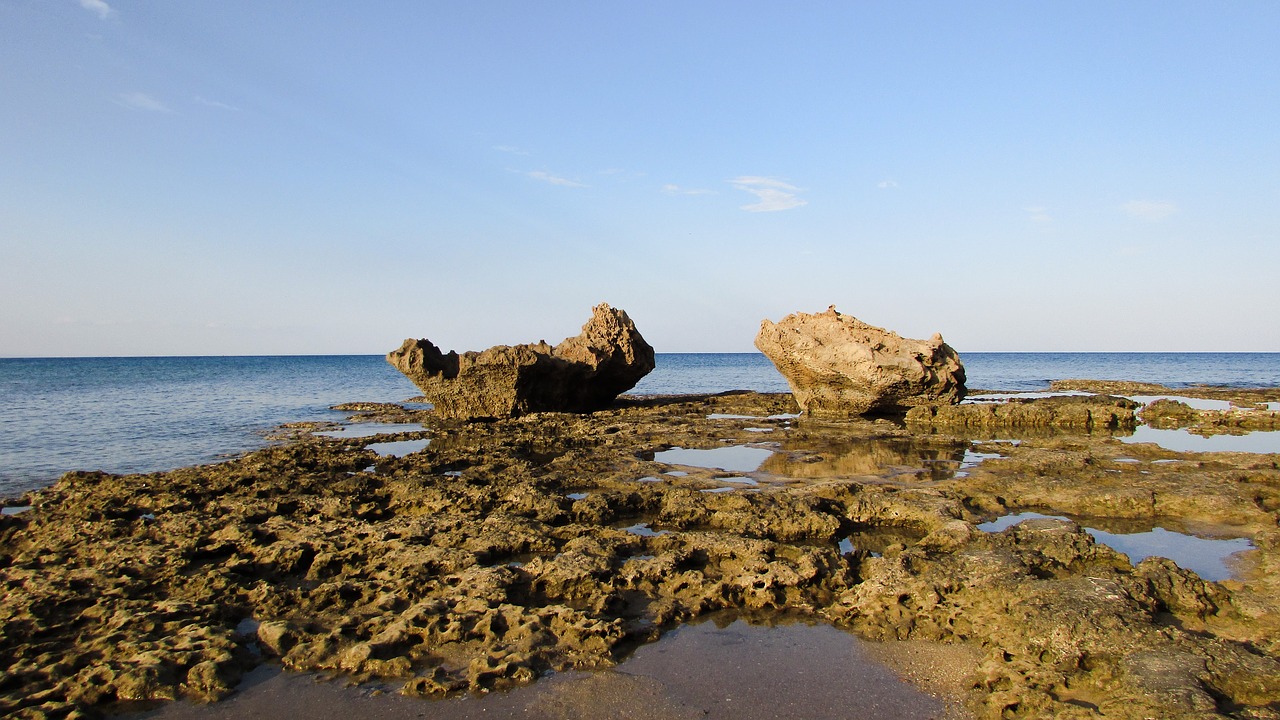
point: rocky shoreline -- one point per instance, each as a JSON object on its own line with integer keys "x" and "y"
{"x": 549, "y": 541}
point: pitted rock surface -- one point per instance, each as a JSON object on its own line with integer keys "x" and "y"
{"x": 582, "y": 374}
{"x": 839, "y": 366}
{"x": 509, "y": 548}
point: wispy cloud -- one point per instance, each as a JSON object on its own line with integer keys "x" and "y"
{"x": 886, "y": 184}
{"x": 99, "y": 7}
{"x": 773, "y": 194}
{"x": 1037, "y": 214}
{"x": 511, "y": 149}
{"x": 621, "y": 174}
{"x": 141, "y": 101}
{"x": 215, "y": 104}
{"x": 547, "y": 177}
{"x": 1149, "y": 209}
{"x": 673, "y": 189}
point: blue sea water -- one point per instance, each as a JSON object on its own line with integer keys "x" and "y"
{"x": 151, "y": 414}
{"x": 1034, "y": 371}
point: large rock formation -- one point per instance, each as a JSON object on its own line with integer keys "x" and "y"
{"x": 581, "y": 374}
{"x": 838, "y": 366}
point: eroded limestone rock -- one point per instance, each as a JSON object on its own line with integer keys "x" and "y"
{"x": 582, "y": 374}
{"x": 1091, "y": 412}
{"x": 839, "y": 366}
{"x": 553, "y": 541}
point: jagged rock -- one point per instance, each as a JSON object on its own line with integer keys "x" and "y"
{"x": 582, "y": 374}
{"x": 839, "y": 366}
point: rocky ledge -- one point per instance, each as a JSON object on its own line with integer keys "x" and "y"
{"x": 1091, "y": 412}
{"x": 552, "y": 541}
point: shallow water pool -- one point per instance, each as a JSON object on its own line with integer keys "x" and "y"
{"x": 719, "y": 668}
{"x": 398, "y": 448}
{"x": 1193, "y": 403}
{"x": 1206, "y": 557}
{"x": 972, "y": 459}
{"x": 1258, "y": 441}
{"x": 643, "y": 530}
{"x": 989, "y": 398}
{"x": 736, "y": 458}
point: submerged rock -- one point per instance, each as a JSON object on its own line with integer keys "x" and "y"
{"x": 582, "y": 374}
{"x": 840, "y": 366}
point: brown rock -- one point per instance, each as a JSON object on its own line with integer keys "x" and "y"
{"x": 277, "y": 637}
{"x": 1088, "y": 412}
{"x": 581, "y": 374}
{"x": 838, "y": 366}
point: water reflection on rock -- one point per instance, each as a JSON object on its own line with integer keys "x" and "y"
{"x": 876, "y": 540}
{"x": 738, "y": 458}
{"x": 398, "y": 448}
{"x": 1208, "y": 557}
{"x": 1258, "y": 441}
{"x": 887, "y": 456}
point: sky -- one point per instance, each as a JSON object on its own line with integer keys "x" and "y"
{"x": 261, "y": 177}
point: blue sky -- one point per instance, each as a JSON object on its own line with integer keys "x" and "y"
{"x": 284, "y": 178}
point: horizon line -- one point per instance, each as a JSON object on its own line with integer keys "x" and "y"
{"x": 673, "y": 352}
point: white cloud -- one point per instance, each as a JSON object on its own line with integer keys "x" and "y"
{"x": 102, "y": 9}
{"x": 1038, "y": 214}
{"x": 884, "y": 184}
{"x": 552, "y": 179}
{"x": 621, "y": 174}
{"x": 1149, "y": 209}
{"x": 673, "y": 189}
{"x": 141, "y": 101}
{"x": 215, "y": 104}
{"x": 774, "y": 194}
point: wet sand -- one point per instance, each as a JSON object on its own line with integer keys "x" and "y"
{"x": 718, "y": 668}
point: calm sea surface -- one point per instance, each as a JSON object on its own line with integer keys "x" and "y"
{"x": 149, "y": 414}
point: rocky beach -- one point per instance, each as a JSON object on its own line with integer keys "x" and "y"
{"x": 440, "y": 556}
{"x": 312, "y": 407}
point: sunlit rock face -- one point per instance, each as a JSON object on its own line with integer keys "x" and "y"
{"x": 839, "y": 366}
{"x": 582, "y": 374}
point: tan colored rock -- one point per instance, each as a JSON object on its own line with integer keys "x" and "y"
{"x": 474, "y": 569}
{"x": 582, "y": 374}
{"x": 277, "y": 637}
{"x": 839, "y": 366}
{"x": 1089, "y": 412}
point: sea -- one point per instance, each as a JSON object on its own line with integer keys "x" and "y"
{"x": 150, "y": 414}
